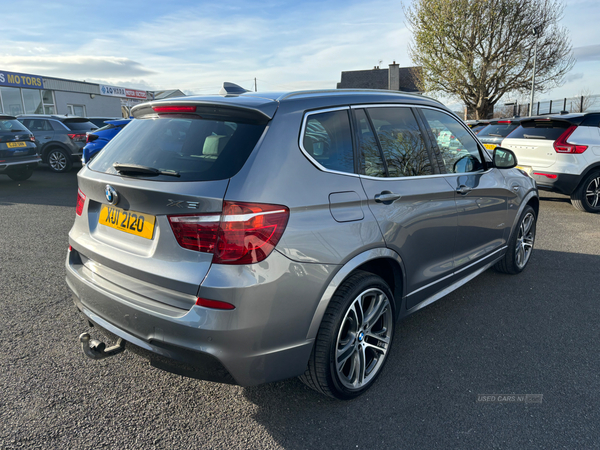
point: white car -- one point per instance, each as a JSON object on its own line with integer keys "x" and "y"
{"x": 562, "y": 154}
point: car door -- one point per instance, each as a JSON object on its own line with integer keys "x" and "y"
{"x": 480, "y": 191}
{"x": 414, "y": 205}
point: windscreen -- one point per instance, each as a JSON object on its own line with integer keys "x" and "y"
{"x": 498, "y": 130}
{"x": 80, "y": 126}
{"x": 547, "y": 129}
{"x": 11, "y": 125}
{"x": 195, "y": 149}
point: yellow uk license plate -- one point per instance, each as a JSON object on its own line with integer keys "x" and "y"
{"x": 131, "y": 222}
{"x": 490, "y": 146}
{"x": 16, "y": 144}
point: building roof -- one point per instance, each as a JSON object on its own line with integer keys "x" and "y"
{"x": 171, "y": 93}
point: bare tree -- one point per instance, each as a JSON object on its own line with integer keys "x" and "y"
{"x": 479, "y": 50}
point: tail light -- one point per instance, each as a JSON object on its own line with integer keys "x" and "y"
{"x": 80, "y": 202}
{"x": 90, "y": 137}
{"x": 32, "y": 138}
{"x": 214, "y": 304}
{"x": 244, "y": 233}
{"x": 552, "y": 176}
{"x": 562, "y": 146}
{"x": 77, "y": 137}
{"x": 175, "y": 109}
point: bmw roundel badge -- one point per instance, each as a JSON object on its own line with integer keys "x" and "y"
{"x": 111, "y": 195}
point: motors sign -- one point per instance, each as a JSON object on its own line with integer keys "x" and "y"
{"x": 122, "y": 92}
{"x": 21, "y": 80}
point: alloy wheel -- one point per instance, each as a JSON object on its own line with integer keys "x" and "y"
{"x": 57, "y": 161}
{"x": 592, "y": 193}
{"x": 525, "y": 240}
{"x": 363, "y": 339}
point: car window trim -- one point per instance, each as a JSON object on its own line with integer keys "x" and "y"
{"x": 378, "y": 142}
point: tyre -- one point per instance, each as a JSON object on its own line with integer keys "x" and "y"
{"x": 587, "y": 195}
{"x": 59, "y": 160}
{"x": 20, "y": 173}
{"x": 520, "y": 244}
{"x": 354, "y": 340}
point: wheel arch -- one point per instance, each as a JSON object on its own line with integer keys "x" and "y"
{"x": 51, "y": 146}
{"x": 383, "y": 262}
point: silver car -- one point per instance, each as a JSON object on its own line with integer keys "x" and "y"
{"x": 250, "y": 237}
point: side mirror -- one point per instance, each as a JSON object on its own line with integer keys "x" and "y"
{"x": 504, "y": 158}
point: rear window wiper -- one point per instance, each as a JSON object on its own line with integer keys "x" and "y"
{"x": 17, "y": 131}
{"x": 533, "y": 136}
{"x": 493, "y": 134}
{"x": 133, "y": 169}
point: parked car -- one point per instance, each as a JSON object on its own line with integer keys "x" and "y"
{"x": 101, "y": 121}
{"x": 248, "y": 238}
{"x": 60, "y": 138}
{"x": 492, "y": 135}
{"x": 18, "y": 151}
{"x": 96, "y": 140}
{"x": 477, "y": 125}
{"x": 562, "y": 153}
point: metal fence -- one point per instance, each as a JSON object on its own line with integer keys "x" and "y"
{"x": 585, "y": 103}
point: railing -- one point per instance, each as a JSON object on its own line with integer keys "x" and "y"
{"x": 585, "y": 103}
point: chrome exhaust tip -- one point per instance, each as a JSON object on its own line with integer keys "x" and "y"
{"x": 95, "y": 349}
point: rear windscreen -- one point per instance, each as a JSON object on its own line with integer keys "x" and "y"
{"x": 80, "y": 126}
{"x": 498, "y": 130}
{"x": 546, "y": 129}
{"x": 11, "y": 125}
{"x": 196, "y": 149}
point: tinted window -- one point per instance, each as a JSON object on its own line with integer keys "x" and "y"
{"x": 369, "y": 150}
{"x": 540, "y": 130}
{"x": 80, "y": 126}
{"x": 37, "y": 125}
{"x": 11, "y": 125}
{"x": 328, "y": 140}
{"x": 198, "y": 149}
{"x": 458, "y": 148}
{"x": 401, "y": 142}
{"x": 498, "y": 130}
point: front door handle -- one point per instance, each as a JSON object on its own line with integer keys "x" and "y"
{"x": 387, "y": 197}
{"x": 464, "y": 190}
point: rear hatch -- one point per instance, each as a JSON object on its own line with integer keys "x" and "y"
{"x": 160, "y": 172}
{"x": 492, "y": 135}
{"x": 533, "y": 141}
{"x": 79, "y": 127}
{"x": 16, "y": 141}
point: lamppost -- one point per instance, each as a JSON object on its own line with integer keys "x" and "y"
{"x": 536, "y": 33}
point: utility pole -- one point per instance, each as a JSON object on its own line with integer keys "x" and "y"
{"x": 536, "y": 34}
{"x": 255, "y": 85}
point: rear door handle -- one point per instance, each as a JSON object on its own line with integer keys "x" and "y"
{"x": 387, "y": 197}
{"x": 462, "y": 189}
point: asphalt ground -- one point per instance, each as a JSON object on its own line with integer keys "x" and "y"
{"x": 535, "y": 333}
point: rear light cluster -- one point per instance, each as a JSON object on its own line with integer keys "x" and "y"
{"x": 244, "y": 233}
{"x": 90, "y": 137}
{"x": 80, "y": 202}
{"x": 77, "y": 137}
{"x": 562, "y": 146}
{"x": 32, "y": 138}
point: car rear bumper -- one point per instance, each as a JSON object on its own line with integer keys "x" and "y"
{"x": 30, "y": 161}
{"x": 556, "y": 182}
{"x": 262, "y": 340}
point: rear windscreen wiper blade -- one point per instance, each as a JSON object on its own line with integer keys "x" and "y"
{"x": 17, "y": 131}
{"x": 492, "y": 134}
{"x": 533, "y": 136}
{"x": 133, "y": 169}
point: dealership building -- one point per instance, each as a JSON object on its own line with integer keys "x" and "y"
{"x": 34, "y": 94}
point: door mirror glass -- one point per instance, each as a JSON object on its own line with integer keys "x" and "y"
{"x": 504, "y": 158}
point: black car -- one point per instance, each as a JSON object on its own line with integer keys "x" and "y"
{"x": 477, "y": 125}
{"x": 18, "y": 151}
{"x": 491, "y": 136}
{"x": 60, "y": 138}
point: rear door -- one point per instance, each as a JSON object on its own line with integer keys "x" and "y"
{"x": 415, "y": 208}
{"x": 480, "y": 191}
{"x": 193, "y": 158}
{"x": 41, "y": 129}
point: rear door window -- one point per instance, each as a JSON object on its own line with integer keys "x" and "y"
{"x": 497, "y": 130}
{"x": 328, "y": 140}
{"x": 80, "y": 126}
{"x": 195, "y": 149}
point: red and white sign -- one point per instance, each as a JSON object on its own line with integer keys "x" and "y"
{"x": 133, "y": 93}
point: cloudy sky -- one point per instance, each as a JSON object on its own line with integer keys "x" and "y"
{"x": 196, "y": 45}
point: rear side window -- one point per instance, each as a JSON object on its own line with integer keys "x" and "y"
{"x": 497, "y": 130}
{"x": 80, "y": 126}
{"x": 401, "y": 142}
{"x": 196, "y": 149}
{"x": 37, "y": 125}
{"x": 547, "y": 129}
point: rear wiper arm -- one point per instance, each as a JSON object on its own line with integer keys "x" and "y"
{"x": 492, "y": 134}
{"x": 533, "y": 136}
{"x": 143, "y": 170}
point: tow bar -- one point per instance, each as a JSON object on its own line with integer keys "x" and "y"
{"x": 95, "y": 349}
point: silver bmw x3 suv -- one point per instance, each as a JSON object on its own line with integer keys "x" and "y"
{"x": 251, "y": 237}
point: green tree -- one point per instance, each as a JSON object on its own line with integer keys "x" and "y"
{"x": 480, "y": 50}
